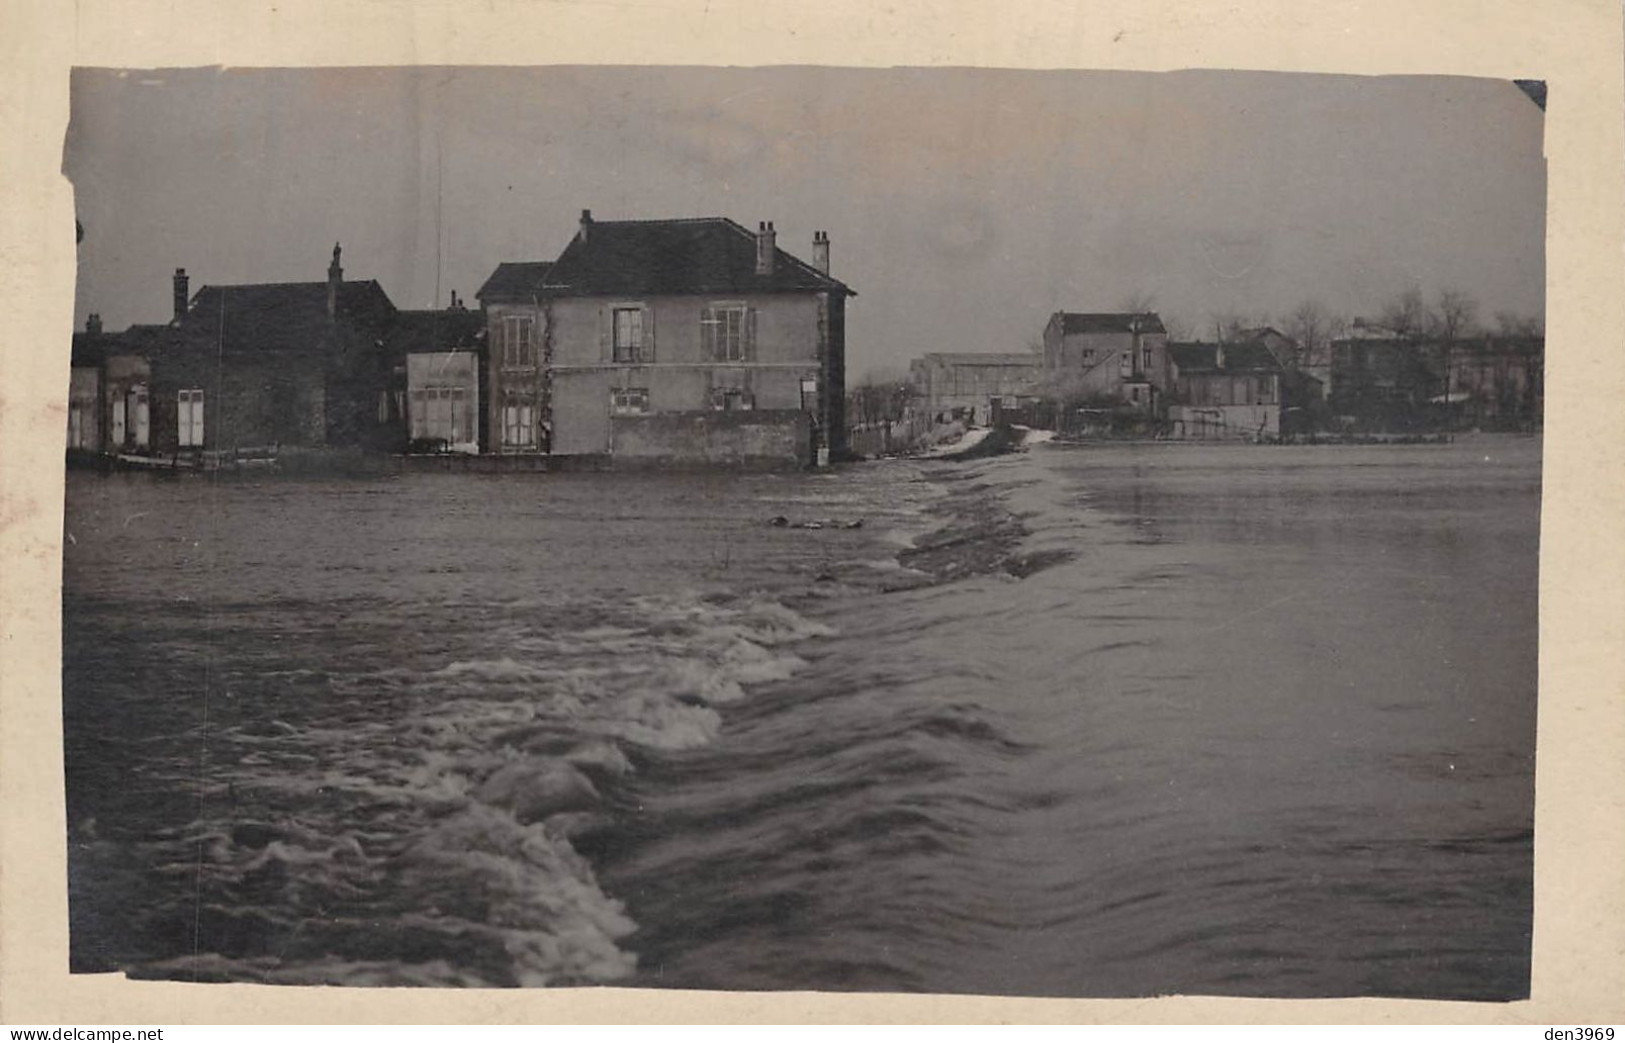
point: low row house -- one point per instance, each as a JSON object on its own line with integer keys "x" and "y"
{"x": 1230, "y": 390}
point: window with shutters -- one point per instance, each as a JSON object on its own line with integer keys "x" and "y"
{"x": 78, "y": 426}
{"x": 442, "y": 413}
{"x": 189, "y": 417}
{"x": 1145, "y": 360}
{"x": 725, "y": 333}
{"x": 518, "y": 422}
{"x": 140, "y": 416}
{"x": 630, "y": 342}
{"x": 518, "y": 341}
{"x": 629, "y": 401}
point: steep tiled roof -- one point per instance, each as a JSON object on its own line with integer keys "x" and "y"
{"x": 692, "y": 255}
{"x": 282, "y": 316}
{"x": 1073, "y": 322}
{"x": 515, "y": 281}
{"x": 444, "y": 330}
{"x": 1239, "y": 357}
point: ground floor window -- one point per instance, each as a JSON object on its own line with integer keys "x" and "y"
{"x": 140, "y": 417}
{"x": 629, "y": 401}
{"x": 189, "y": 418}
{"x": 442, "y": 413}
{"x": 809, "y": 394}
{"x": 518, "y": 422}
{"x": 732, "y": 400}
{"x": 80, "y": 425}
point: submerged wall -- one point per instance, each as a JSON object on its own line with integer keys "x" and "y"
{"x": 756, "y": 438}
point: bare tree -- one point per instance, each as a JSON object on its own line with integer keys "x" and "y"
{"x": 1454, "y": 316}
{"x": 1138, "y": 302}
{"x": 1309, "y": 327}
{"x": 1229, "y": 325}
{"x": 1406, "y": 317}
{"x": 1511, "y": 324}
{"x": 1178, "y": 328}
{"x": 1452, "y": 319}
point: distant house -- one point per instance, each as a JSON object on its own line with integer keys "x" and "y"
{"x": 1498, "y": 381}
{"x": 1115, "y": 358}
{"x": 1381, "y": 382}
{"x": 436, "y": 378}
{"x": 274, "y": 364}
{"x": 1233, "y": 390}
{"x": 685, "y": 340}
{"x": 1286, "y": 350}
{"x": 947, "y": 384}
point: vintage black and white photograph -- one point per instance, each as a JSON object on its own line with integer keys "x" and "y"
{"x": 914, "y": 530}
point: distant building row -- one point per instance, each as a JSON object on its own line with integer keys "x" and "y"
{"x": 684, "y": 340}
{"x": 1121, "y": 370}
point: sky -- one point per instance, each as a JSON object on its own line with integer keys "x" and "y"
{"x": 963, "y": 205}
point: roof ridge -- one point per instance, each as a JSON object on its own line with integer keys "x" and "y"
{"x": 266, "y": 285}
{"x": 668, "y": 221}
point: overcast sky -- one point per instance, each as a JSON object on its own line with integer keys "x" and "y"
{"x": 963, "y": 205}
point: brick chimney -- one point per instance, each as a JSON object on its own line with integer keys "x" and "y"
{"x": 766, "y": 249}
{"x": 821, "y": 252}
{"x": 93, "y": 322}
{"x": 181, "y": 294}
{"x": 335, "y": 276}
{"x": 586, "y": 224}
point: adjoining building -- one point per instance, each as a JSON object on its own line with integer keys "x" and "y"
{"x": 437, "y": 377}
{"x": 109, "y": 407}
{"x": 260, "y": 365}
{"x": 516, "y": 361}
{"x": 682, "y": 340}
{"x": 1116, "y": 360}
{"x": 967, "y": 385}
{"x": 1234, "y": 390}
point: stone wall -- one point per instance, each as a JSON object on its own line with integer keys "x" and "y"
{"x": 752, "y": 438}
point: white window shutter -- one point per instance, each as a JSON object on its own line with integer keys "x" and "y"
{"x": 750, "y": 335}
{"x": 709, "y": 341}
{"x": 604, "y": 333}
{"x": 647, "y": 353}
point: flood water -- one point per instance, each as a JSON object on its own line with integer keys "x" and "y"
{"x": 1082, "y": 721}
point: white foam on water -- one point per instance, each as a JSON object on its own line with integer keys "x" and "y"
{"x": 463, "y": 796}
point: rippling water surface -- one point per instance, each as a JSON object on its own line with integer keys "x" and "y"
{"x": 1093, "y": 721}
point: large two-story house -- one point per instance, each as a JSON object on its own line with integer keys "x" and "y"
{"x": 694, "y": 340}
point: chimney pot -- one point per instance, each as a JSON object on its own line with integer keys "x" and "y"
{"x": 182, "y": 296}
{"x": 821, "y": 252}
{"x": 586, "y": 223}
{"x": 335, "y": 276}
{"x": 93, "y": 322}
{"x": 766, "y": 248}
